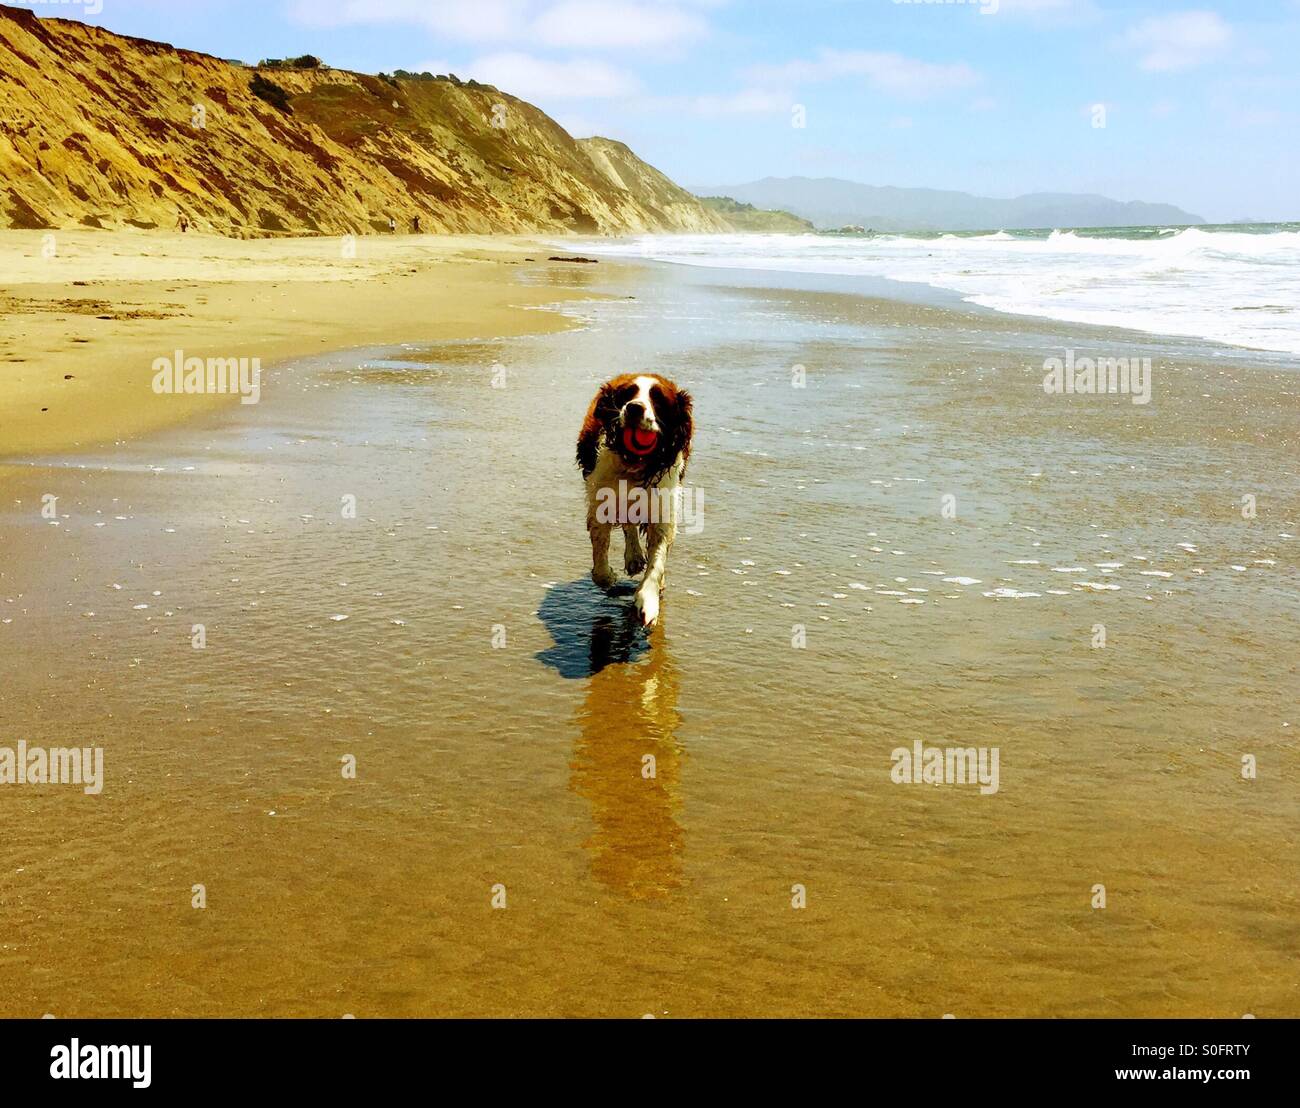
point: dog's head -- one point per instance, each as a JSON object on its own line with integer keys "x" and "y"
{"x": 645, "y": 418}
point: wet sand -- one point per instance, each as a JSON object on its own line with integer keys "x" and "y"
{"x": 500, "y": 710}
{"x": 83, "y": 315}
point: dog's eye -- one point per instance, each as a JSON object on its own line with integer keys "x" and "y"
{"x": 624, "y": 395}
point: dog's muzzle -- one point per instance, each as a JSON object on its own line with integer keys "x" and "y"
{"x": 640, "y": 435}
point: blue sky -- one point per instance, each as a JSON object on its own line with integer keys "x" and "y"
{"x": 1200, "y": 102}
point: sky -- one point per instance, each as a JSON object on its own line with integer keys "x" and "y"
{"x": 1195, "y": 105}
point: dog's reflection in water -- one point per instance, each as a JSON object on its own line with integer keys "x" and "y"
{"x": 626, "y": 759}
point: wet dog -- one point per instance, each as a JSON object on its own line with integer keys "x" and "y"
{"x": 633, "y": 450}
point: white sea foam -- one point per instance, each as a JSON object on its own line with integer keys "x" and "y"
{"x": 1228, "y": 286}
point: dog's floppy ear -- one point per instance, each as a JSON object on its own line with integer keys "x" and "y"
{"x": 605, "y": 406}
{"x": 685, "y": 425}
{"x": 593, "y": 427}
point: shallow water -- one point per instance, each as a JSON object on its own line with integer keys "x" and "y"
{"x": 501, "y": 710}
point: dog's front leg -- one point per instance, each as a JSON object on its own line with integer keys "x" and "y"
{"x": 633, "y": 555}
{"x": 660, "y": 540}
{"x": 604, "y": 577}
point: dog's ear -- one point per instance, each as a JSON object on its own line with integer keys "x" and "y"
{"x": 685, "y": 425}
{"x": 605, "y": 407}
{"x": 593, "y": 428}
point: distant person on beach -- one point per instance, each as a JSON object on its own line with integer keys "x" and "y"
{"x": 415, "y": 225}
{"x": 183, "y": 222}
{"x": 392, "y": 225}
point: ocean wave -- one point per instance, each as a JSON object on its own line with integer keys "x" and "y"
{"x": 1224, "y": 284}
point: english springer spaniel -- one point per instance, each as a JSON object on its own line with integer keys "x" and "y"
{"x": 632, "y": 451}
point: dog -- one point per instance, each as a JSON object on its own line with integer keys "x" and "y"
{"x": 633, "y": 450}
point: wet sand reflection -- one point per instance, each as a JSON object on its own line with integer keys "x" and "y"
{"x": 627, "y": 758}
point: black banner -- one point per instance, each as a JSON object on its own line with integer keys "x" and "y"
{"x": 339, "y": 1056}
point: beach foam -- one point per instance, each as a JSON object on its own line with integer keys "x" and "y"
{"x": 1232, "y": 286}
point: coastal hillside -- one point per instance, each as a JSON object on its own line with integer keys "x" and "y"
{"x": 749, "y": 219}
{"x": 103, "y": 130}
{"x": 675, "y": 208}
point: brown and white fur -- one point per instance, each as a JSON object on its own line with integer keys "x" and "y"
{"x": 641, "y": 404}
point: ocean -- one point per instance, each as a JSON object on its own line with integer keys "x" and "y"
{"x": 1237, "y": 284}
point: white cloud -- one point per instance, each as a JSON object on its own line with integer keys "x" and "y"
{"x": 603, "y": 24}
{"x": 481, "y": 21}
{"x": 892, "y": 73}
{"x": 750, "y": 101}
{"x": 532, "y": 78}
{"x": 1050, "y": 10}
{"x": 578, "y": 24}
{"x": 1179, "y": 41}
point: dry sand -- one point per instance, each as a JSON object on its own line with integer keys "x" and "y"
{"x": 80, "y": 328}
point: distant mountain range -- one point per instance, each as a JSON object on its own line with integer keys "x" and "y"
{"x": 831, "y": 203}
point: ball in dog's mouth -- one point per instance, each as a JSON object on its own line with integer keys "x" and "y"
{"x": 640, "y": 441}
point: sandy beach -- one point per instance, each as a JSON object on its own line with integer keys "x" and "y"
{"x": 499, "y": 850}
{"x": 85, "y": 313}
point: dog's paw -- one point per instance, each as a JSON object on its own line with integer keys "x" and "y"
{"x": 604, "y": 577}
{"x": 634, "y": 564}
{"x": 647, "y": 606}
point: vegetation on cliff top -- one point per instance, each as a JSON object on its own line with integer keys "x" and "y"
{"x": 746, "y": 217}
